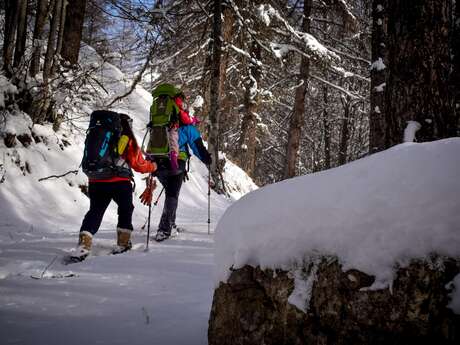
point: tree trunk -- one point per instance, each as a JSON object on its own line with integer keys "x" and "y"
{"x": 227, "y": 35}
{"x": 60, "y": 35}
{"x": 455, "y": 80}
{"x": 73, "y": 31}
{"x": 90, "y": 32}
{"x": 11, "y": 21}
{"x": 51, "y": 46}
{"x": 62, "y": 22}
{"x": 214, "y": 114}
{"x": 297, "y": 118}
{"x": 327, "y": 131}
{"x": 40, "y": 20}
{"x": 21, "y": 33}
{"x": 378, "y": 76}
{"x": 418, "y": 70}
{"x": 343, "y": 147}
{"x": 44, "y": 103}
{"x": 247, "y": 142}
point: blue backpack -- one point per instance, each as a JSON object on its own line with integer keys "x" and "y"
{"x": 101, "y": 159}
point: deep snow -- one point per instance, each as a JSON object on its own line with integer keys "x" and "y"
{"x": 162, "y": 296}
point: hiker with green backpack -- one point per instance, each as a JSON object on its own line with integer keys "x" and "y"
{"x": 172, "y": 136}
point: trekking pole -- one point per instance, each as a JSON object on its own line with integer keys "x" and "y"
{"x": 158, "y": 199}
{"x": 148, "y": 227}
{"x": 209, "y": 199}
{"x": 150, "y": 213}
{"x": 154, "y": 204}
{"x": 149, "y": 217}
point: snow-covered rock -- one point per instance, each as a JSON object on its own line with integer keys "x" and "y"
{"x": 373, "y": 214}
{"x": 367, "y": 253}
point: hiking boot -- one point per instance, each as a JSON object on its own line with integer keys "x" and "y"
{"x": 83, "y": 249}
{"x": 161, "y": 236}
{"x": 123, "y": 241}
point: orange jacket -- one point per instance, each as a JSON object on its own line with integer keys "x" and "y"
{"x": 132, "y": 156}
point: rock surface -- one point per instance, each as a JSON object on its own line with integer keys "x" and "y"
{"x": 252, "y": 307}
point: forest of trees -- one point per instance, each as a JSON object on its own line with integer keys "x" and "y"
{"x": 289, "y": 87}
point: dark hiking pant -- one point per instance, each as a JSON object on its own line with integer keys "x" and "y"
{"x": 100, "y": 195}
{"x": 172, "y": 185}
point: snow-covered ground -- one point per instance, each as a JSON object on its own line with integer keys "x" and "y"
{"x": 162, "y": 296}
{"x": 159, "y": 296}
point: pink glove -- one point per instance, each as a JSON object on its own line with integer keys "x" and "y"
{"x": 196, "y": 121}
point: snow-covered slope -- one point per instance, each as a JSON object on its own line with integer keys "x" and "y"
{"x": 162, "y": 296}
{"x": 373, "y": 213}
{"x": 58, "y": 203}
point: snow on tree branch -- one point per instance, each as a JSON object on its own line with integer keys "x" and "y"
{"x": 341, "y": 89}
{"x": 308, "y": 42}
{"x": 348, "y": 74}
{"x": 410, "y": 131}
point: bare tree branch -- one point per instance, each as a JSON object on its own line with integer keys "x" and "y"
{"x": 58, "y": 176}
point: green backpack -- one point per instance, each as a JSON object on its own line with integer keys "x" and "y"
{"x": 163, "y": 112}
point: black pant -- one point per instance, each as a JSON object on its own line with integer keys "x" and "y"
{"x": 100, "y": 195}
{"x": 172, "y": 185}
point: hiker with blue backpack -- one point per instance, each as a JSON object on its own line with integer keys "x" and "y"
{"x": 111, "y": 151}
{"x": 172, "y": 135}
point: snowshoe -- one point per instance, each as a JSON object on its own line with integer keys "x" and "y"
{"x": 121, "y": 249}
{"x": 161, "y": 236}
{"x": 74, "y": 258}
{"x": 179, "y": 229}
{"x": 83, "y": 249}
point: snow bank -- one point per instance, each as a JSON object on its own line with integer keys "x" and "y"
{"x": 373, "y": 213}
{"x": 27, "y": 202}
{"x": 237, "y": 182}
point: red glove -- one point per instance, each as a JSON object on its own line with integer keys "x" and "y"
{"x": 146, "y": 196}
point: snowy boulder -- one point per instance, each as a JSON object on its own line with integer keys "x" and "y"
{"x": 367, "y": 253}
{"x": 16, "y": 125}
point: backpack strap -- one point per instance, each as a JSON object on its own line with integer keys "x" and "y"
{"x": 131, "y": 178}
